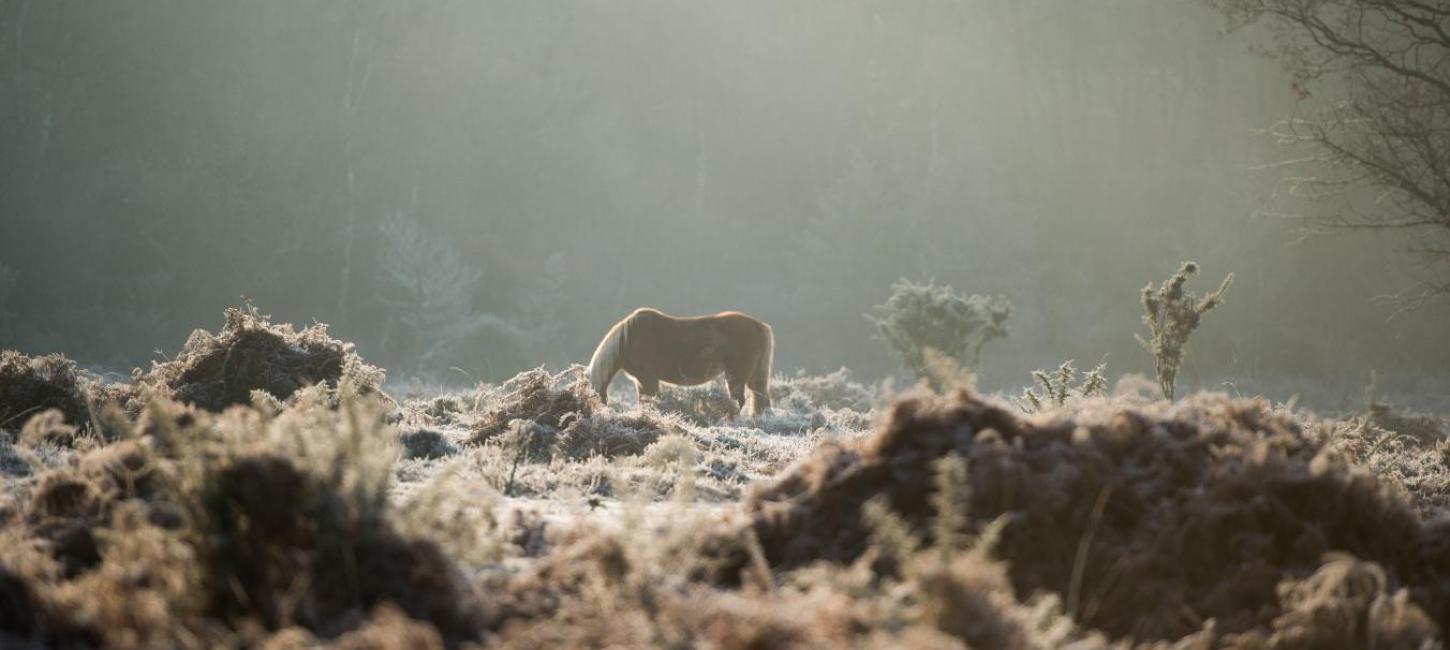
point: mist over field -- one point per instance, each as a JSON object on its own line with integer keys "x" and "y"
{"x": 1046, "y": 324}
{"x": 490, "y": 185}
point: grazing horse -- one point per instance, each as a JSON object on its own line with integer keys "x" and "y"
{"x": 651, "y": 346}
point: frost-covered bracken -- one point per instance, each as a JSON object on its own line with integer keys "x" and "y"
{"x": 214, "y": 371}
{"x": 527, "y": 515}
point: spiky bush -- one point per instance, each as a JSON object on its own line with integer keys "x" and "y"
{"x": 1057, "y": 389}
{"x": 921, "y": 317}
{"x": 1172, "y": 313}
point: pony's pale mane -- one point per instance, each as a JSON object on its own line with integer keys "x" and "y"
{"x": 605, "y": 362}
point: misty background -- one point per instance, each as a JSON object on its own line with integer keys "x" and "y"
{"x": 488, "y": 186}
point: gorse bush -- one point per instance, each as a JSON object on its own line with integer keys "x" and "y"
{"x": 921, "y": 317}
{"x": 1171, "y": 314}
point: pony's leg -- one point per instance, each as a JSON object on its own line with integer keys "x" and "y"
{"x": 737, "y": 391}
{"x": 735, "y": 379}
{"x": 759, "y": 392}
{"x": 648, "y": 388}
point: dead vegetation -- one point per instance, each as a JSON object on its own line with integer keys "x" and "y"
{"x": 216, "y": 527}
{"x": 250, "y": 353}
{"x": 316, "y": 516}
{"x": 542, "y": 416}
{"x": 30, "y": 385}
{"x": 1148, "y": 522}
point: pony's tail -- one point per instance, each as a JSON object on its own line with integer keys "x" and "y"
{"x": 759, "y": 382}
{"x": 605, "y": 362}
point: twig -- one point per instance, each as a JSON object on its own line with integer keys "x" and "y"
{"x": 1079, "y": 564}
{"x": 18, "y": 415}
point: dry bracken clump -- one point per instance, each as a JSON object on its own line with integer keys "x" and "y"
{"x": 703, "y": 406}
{"x": 426, "y": 444}
{"x": 833, "y": 391}
{"x": 1134, "y": 516}
{"x": 544, "y": 416}
{"x": 202, "y": 529}
{"x": 250, "y": 353}
{"x": 535, "y": 396}
{"x": 29, "y": 385}
{"x": 1345, "y": 605}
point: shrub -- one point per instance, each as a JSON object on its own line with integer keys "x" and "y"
{"x": 834, "y": 391}
{"x": 921, "y": 317}
{"x": 1171, "y": 314}
{"x": 1057, "y": 388}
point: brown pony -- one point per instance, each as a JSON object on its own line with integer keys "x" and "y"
{"x": 651, "y": 346}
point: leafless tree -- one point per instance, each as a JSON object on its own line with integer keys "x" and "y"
{"x": 1372, "y": 138}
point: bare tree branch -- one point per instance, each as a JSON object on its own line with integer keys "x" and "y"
{"x": 1374, "y": 135}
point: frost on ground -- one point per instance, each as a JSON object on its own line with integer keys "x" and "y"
{"x": 528, "y": 515}
{"x": 545, "y": 435}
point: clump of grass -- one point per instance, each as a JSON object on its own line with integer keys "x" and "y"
{"x": 426, "y": 444}
{"x": 1422, "y": 428}
{"x": 833, "y": 391}
{"x": 48, "y": 427}
{"x": 612, "y": 435}
{"x": 1346, "y": 603}
{"x": 703, "y": 405}
{"x": 29, "y": 385}
{"x": 671, "y": 451}
{"x": 538, "y": 397}
{"x": 545, "y": 417}
{"x": 1057, "y": 388}
{"x": 921, "y": 317}
{"x": 1172, "y": 313}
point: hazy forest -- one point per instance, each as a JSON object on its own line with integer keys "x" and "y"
{"x": 297, "y": 299}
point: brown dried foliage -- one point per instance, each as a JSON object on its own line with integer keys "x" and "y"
{"x": 30, "y": 385}
{"x": 1209, "y": 505}
{"x": 214, "y": 371}
{"x": 545, "y": 421}
{"x": 536, "y": 399}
